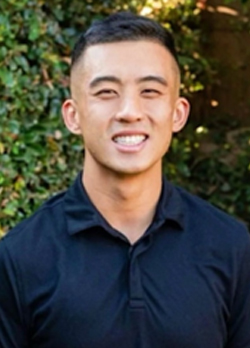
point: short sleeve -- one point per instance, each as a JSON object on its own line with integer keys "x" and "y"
{"x": 239, "y": 326}
{"x": 12, "y": 328}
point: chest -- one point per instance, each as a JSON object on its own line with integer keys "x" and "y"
{"x": 142, "y": 296}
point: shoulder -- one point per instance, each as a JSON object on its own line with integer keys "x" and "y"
{"x": 37, "y": 229}
{"x": 206, "y": 212}
{"x": 216, "y": 226}
{"x": 30, "y": 250}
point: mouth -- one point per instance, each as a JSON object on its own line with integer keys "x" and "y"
{"x": 130, "y": 140}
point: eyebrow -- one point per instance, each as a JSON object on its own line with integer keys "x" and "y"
{"x": 110, "y": 78}
{"x": 154, "y": 78}
{"x": 99, "y": 79}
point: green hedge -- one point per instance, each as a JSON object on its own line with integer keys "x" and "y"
{"x": 39, "y": 157}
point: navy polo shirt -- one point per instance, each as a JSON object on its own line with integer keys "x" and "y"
{"x": 69, "y": 280}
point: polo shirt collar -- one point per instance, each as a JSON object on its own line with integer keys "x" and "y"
{"x": 170, "y": 206}
{"x": 81, "y": 214}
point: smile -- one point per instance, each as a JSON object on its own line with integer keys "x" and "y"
{"x": 129, "y": 140}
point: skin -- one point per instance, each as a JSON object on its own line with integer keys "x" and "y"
{"x": 123, "y": 89}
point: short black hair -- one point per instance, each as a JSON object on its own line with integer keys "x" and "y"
{"x": 123, "y": 26}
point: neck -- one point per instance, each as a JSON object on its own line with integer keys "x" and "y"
{"x": 127, "y": 202}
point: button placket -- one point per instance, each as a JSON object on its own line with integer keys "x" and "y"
{"x": 136, "y": 298}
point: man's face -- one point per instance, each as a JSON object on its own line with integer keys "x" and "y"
{"x": 126, "y": 105}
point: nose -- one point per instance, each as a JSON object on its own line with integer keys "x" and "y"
{"x": 130, "y": 109}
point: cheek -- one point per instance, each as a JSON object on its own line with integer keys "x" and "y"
{"x": 161, "y": 107}
{"x": 98, "y": 116}
{"x": 106, "y": 108}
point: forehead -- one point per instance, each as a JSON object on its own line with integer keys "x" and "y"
{"x": 126, "y": 59}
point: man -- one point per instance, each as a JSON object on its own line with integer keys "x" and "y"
{"x": 123, "y": 258}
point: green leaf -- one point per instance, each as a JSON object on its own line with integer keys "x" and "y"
{"x": 7, "y": 78}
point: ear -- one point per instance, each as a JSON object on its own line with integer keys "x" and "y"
{"x": 181, "y": 114}
{"x": 70, "y": 116}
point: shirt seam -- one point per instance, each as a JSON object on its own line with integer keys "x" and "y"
{"x": 241, "y": 265}
{"x": 19, "y": 284}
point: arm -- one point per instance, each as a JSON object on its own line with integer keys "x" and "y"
{"x": 239, "y": 325}
{"x": 12, "y": 328}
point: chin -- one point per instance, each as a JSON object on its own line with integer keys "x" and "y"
{"x": 132, "y": 170}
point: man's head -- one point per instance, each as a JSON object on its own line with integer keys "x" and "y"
{"x": 125, "y": 95}
{"x": 123, "y": 26}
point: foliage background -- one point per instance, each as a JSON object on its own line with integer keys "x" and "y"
{"x": 39, "y": 157}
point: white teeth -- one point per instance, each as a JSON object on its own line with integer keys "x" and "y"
{"x": 130, "y": 139}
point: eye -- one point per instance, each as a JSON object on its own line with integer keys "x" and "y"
{"x": 150, "y": 93}
{"x": 106, "y": 93}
